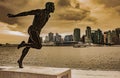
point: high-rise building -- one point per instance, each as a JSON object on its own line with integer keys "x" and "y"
{"x": 94, "y": 36}
{"x": 88, "y": 35}
{"x": 58, "y": 38}
{"x": 83, "y": 39}
{"x": 50, "y": 35}
{"x": 108, "y": 39}
{"x": 100, "y": 39}
{"x": 118, "y": 34}
{"x": 105, "y": 38}
{"x": 77, "y": 34}
{"x": 68, "y": 38}
{"x": 97, "y": 37}
{"x": 109, "y": 36}
{"x": 114, "y": 37}
{"x": 46, "y": 39}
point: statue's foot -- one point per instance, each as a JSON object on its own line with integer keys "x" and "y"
{"x": 20, "y": 64}
{"x": 21, "y": 44}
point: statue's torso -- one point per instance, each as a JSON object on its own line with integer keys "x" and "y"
{"x": 40, "y": 19}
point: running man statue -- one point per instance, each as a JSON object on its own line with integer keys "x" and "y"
{"x": 41, "y": 16}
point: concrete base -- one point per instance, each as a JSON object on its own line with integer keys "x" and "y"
{"x": 34, "y": 72}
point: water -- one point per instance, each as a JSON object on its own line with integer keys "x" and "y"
{"x": 95, "y": 58}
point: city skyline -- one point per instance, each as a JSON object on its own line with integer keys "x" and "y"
{"x": 110, "y": 37}
{"x": 25, "y": 36}
{"x": 69, "y": 14}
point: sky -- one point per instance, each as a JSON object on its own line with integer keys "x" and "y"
{"x": 69, "y": 14}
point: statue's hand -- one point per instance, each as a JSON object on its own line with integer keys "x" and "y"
{"x": 10, "y": 15}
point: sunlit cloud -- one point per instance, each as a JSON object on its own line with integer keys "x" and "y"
{"x": 17, "y": 33}
{"x": 6, "y": 29}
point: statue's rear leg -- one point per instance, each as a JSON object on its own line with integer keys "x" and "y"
{"x": 24, "y": 53}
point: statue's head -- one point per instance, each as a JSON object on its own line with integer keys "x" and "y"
{"x": 50, "y": 6}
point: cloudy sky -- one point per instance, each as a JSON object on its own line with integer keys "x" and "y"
{"x": 69, "y": 14}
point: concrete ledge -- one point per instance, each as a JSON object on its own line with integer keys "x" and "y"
{"x": 34, "y": 72}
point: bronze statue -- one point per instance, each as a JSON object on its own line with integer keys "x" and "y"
{"x": 41, "y": 16}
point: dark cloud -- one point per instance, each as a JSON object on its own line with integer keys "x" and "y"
{"x": 10, "y": 6}
{"x": 3, "y": 15}
{"x": 14, "y": 2}
{"x": 77, "y": 5}
{"x": 63, "y": 3}
{"x": 91, "y": 19}
{"x": 74, "y": 15}
{"x": 80, "y": 15}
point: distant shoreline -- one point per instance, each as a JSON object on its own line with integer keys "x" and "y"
{"x": 15, "y": 45}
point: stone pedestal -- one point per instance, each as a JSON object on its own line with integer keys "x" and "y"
{"x": 34, "y": 72}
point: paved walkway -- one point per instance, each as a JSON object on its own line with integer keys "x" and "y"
{"x": 95, "y": 74}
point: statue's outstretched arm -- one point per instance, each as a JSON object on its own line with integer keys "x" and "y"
{"x": 32, "y": 12}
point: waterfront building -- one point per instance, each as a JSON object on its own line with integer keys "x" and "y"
{"x": 68, "y": 38}
{"x": 118, "y": 34}
{"x": 83, "y": 39}
{"x": 94, "y": 36}
{"x": 50, "y": 35}
{"x": 88, "y": 35}
{"x": 76, "y": 34}
{"x": 99, "y": 37}
{"x": 105, "y": 38}
{"x": 58, "y": 38}
{"x": 46, "y": 39}
{"x": 114, "y": 37}
{"x": 109, "y": 37}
